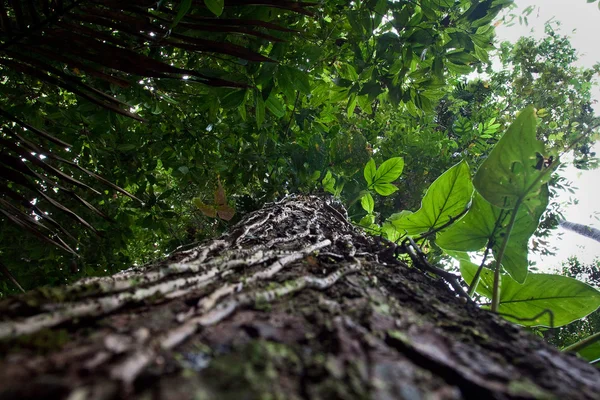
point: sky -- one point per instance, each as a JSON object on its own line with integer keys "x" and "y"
{"x": 580, "y": 21}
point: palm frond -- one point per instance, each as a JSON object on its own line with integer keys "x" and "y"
{"x": 108, "y": 42}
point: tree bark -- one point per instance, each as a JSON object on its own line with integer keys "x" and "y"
{"x": 293, "y": 303}
{"x": 583, "y": 230}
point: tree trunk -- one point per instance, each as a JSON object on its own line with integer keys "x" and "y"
{"x": 583, "y": 230}
{"x": 292, "y": 303}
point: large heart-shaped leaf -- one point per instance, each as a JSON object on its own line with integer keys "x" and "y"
{"x": 516, "y": 168}
{"x": 486, "y": 225}
{"x": 567, "y": 298}
{"x": 447, "y": 197}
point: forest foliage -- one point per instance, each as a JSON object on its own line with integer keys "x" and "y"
{"x": 375, "y": 102}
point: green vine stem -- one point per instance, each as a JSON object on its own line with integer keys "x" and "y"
{"x": 477, "y": 277}
{"x": 575, "y": 347}
{"x": 498, "y": 269}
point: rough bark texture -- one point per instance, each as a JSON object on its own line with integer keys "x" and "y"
{"x": 293, "y": 303}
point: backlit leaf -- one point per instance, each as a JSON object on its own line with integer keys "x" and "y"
{"x": 389, "y": 171}
{"x": 367, "y": 203}
{"x": 215, "y": 6}
{"x": 447, "y": 197}
{"x": 514, "y": 168}
{"x": 567, "y": 298}
{"x": 369, "y": 172}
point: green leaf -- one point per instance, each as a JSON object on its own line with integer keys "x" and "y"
{"x": 389, "y": 171}
{"x": 293, "y": 78}
{"x": 329, "y": 183}
{"x": 274, "y": 105}
{"x": 369, "y": 171}
{"x": 567, "y": 298}
{"x": 126, "y": 147}
{"x": 315, "y": 176}
{"x": 473, "y": 231}
{"x": 302, "y": 84}
{"x": 215, "y": 6}
{"x": 367, "y": 220}
{"x": 385, "y": 189}
{"x": 390, "y": 232}
{"x": 445, "y": 3}
{"x": 591, "y": 352}
{"x": 513, "y": 172}
{"x": 515, "y": 261}
{"x": 351, "y": 105}
{"x": 461, "y": 57}
{"x": 166, "y": 194}
{"x": 300, "y": 80}
{"x": 477, "y": 229}
{"x": 447, "y": 197}
{"x": 182, "y": 10}
{"x": 260, "y": 109}
{"x": 233, "y": 99}
{"x": 367, "y": 203}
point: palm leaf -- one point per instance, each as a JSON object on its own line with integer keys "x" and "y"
{"x": 107, "y": 41}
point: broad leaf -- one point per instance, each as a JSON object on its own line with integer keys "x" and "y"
{"x": 478, "y": 228}
{"x": 206, "y": 209}
{"x": 567, "y": 298}
{"x": 390, "y": 232}
{"x": 447, "y": 197}
{"x": 329, "y": 183}
{"x": 389, "y": 171}
{"x": 515, "y": 260}
{"x": 225, "y": 212}
{"x": 367, "y": 203}
{"x": 182, "y": 10}
{"x": 215, "y": 6}
{"x": 474, "y": 230}
{"x": 220, "y": 197}
{"x": 260, "y": 109}
{"x": 591, "y": 352}
{"x": 367, "y": 220}
{"x": 369, "y": 172}
{"x": 515, "y": 168}
{"x": 274, "y": 105}
{"x": 385, "y": 189}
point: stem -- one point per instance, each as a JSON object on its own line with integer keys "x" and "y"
{"x": 477, "y": 276}
{"x": 496, "y": 291}
{"x": 357, "y": 198}
{"x": 10, "y": 277}
{"x": 434, "y": 230}
{"x": 575, "y": 347}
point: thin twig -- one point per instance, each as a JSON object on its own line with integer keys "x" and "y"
{"x": 10, "y": 277}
